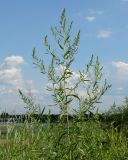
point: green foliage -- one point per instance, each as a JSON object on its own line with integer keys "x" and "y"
{"x": 88, "y": 140}
{"x": 118, "y": 115}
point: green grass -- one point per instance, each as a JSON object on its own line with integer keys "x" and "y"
{"x": 85, "y": 140}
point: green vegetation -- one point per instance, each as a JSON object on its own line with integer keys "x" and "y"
{"x": 68, "y": 138}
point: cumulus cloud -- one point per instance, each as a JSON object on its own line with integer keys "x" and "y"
{"x": 14, "y": 60}
{"x": 122, "y": 70}
{"x": 12, "y": 79}
{"x": 104, "y": 34}
{"x": 11, "y": 74}
{"x": 119, "y": 77}
{"x": 90, "y": 18}
{"x": 121, "y": 66}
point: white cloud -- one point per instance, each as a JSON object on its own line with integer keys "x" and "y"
{"x": 104, "y": 34}
{"x": 14, "y": 60}
{"x": 121, "y": 66}
{"x": 90, "y": 18}
{"x": 12, "y": 79}
{"x": 90, "y": 15}
{"x": 121, "y": 71}
{"x": 10, "y": 73}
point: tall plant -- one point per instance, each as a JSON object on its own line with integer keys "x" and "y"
{"x": 64, "y": 93}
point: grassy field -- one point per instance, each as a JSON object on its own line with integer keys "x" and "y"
{"x": 85, "y": 140}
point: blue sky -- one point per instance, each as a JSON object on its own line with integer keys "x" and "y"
{"x": 23, "y": 24}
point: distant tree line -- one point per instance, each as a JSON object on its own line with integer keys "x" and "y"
{"x": 118, "y": 115}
